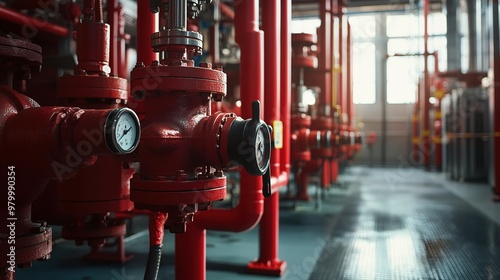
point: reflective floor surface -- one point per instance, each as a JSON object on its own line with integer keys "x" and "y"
{"x": 382, "y": 223}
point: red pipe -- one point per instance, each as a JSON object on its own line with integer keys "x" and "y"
{"x": 348, "y": 86}
{"x": 324, "y": 56}
{"x": 344, "y": 61}
{"x": 226, "y": 11}
{"x": 271, "y": 23}
{"x": 31, "y": 25}
{"x": 436, "y": 62}
{"x": 250, "y": 208}
{"x": 426, "y": 143}
{"x": 111, "y": 10}
{"x": 415, "y": 126}
{"x": 146, "y": 23}
{"x": 249, "y": 211}
{"x": 286, "y": 80}
{"x": 192, "y": 244}
{"x": 116, "y": 20}
{"x": 340, "y": 95}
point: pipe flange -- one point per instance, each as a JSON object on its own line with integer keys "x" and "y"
{"x": 36, "y": 245}
{"x": 177, "y": 78}
{"x": 158, "y": 194}
{"x": 102, "y": 87}
{"x": 161, "y": 40}
{"x": 25, "y": 52}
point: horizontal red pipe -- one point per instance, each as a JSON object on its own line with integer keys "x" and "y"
{"x": 32, "y": 25}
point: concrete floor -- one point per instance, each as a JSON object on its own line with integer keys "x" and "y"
{"x": 312, "y": 240}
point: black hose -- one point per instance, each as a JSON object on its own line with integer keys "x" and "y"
{"x": 153, "y": 265}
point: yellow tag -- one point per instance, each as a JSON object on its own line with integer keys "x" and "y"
{"x": 438, "y": 94}
{"x": 278, "y": 134}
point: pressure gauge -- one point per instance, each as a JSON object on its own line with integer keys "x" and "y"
{"x": 122, "y": 131}
{"x": 260, "y": 148}
{"x": 250, "y": 146}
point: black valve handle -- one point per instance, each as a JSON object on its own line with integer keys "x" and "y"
{"x": 266, "y": 177}
{"x": 248, "y": 140}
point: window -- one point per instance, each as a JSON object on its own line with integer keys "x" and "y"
{"x": 404, "y": 26}
{"x": 305, "y": 25}
{"x": 362, "y": 26}
{"x": 364, "y": 73}
{"x": 402, "y": 78}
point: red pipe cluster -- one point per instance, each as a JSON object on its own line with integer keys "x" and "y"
{"x": 38, "y": 144}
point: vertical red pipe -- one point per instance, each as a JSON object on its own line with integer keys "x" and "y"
{"x": 271, "y": 23}
{"x": 113, "y": 35}
{"x": 343, "y": 63}
{"x": 340, "y": 95}
{"x": 325, "y": 50}
{"x": 121, "y": 54}
{"x": 269, "y": 225}
{"x": 349, "y": 101}
{"x": 146, "y": 26}
{"x": 334, "y": 164}
{"x": 436, "y": 62}
{"x": 348, "y": 74}
{"x": 286, "y": 80}
{"x": 426, "y": 144}
{"x": 268, "y": 261}
{"x": 192, "y": 243}
{"x": 250, "y": 207}
{"x": 415, "y": 125}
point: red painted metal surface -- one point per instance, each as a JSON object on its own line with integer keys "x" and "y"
{"x": 227, "y": 11}
{"x": 147, "y": 25}
{"x": 416, "y": 126}
{"x": 32, "y": 25}
{"x": 179, "y": 140}
{"x": 300, "y": 120}
{"x": 268, "y": 262}
{"x": 89, "y": 193}
{"x": 285, "y": 83}
{"x": 117, "y": 54}
{"x": 56, "y": 135}
{"x": 250, "y": 208}
{"x": 182, "y": 141}
{"x": 321, "y": 77}
{"x": 271, "y": 11}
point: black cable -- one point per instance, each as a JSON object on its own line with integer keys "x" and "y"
{"x": 153, "y": 265}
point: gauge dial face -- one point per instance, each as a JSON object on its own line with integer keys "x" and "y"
{"x": 260, "y": 149}
{"x": 126, "y": 132}
{"x": 122, "y": 131}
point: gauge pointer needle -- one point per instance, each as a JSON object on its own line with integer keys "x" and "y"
{"x": 125, "y": 133}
